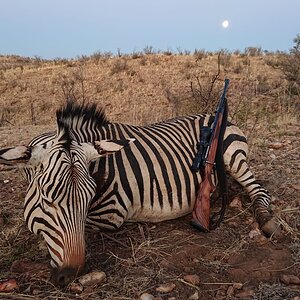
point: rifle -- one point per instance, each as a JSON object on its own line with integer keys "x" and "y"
{"x": 210, "y": 152}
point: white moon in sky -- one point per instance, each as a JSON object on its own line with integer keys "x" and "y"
{"x": 225, "y": 24}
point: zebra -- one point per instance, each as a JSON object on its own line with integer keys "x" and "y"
{"x": 92, "y": 173}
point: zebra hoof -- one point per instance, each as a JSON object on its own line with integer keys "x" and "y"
{"x": 271, "y": 228}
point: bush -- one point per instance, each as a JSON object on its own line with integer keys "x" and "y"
{"x": 253, "y": 51}
{"x": 289, "y": 64}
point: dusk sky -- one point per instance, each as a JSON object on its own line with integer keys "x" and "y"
{"x": 70, "y": 28}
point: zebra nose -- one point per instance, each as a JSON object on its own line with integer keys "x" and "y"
{"x": 63, "y": 277}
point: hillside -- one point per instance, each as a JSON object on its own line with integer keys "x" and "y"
{"x": 140, "y": 88}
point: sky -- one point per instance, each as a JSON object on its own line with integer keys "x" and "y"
{"x": 70, "y": 28}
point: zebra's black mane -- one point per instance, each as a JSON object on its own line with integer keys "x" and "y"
{"x": 73, "y": 120}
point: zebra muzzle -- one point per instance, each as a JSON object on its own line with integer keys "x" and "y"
{"x": 73, "y": 261}
{"x": 64, "y": 276}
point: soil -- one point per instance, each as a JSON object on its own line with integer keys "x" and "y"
{"x": 235, "y": 261}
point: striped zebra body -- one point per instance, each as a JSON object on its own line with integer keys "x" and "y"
{"x": 75, "y": 181}
{"x": 151, "y": 180}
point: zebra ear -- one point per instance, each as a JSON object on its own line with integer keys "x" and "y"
{"x": 18, "y": 156}
{"x": 104, "y": 147}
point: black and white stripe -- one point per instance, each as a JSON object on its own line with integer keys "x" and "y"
{"x": 151, "y": 180}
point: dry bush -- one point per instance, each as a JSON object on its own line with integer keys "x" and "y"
{"x": 289, "y": 65}
{"x": 5, "y": 116}
{"x": 200, "y": 54}
{"x": 205, "y": 91}
{"x": 99, "y": 56}
{"x": 73, "y": 86}
{"x": 148, "y": 50}
{"x": 119, "y": 66}
{"x": 253, "y": 51}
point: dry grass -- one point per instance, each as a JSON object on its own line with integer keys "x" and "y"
{"x": 142, "y": 89}
{"x": 145, "y": 88}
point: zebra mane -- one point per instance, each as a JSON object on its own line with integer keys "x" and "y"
{"x": 79, "y": 122}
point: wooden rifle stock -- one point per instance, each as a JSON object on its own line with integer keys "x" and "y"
{"x": 201, "y": 211}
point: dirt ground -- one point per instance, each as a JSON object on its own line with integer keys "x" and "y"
{"x": 234, "y": 261}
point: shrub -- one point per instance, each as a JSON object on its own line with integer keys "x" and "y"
{"x": 253, "y": 51}
{"x": 119, "y": 66}
{"x": 289, "y": 65}
{"x": 199, "y": 54}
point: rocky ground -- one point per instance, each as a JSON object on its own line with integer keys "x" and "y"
{"x": 169, "y": 260}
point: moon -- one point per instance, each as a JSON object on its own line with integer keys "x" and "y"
{"x": 225, "y": 23}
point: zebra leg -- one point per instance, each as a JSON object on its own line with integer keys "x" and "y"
{"x": 261, "y": 198}
{"x": 235, "y": 159}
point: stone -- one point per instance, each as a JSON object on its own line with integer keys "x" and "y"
{"x": 76, "y": 288}
{"x": 254, "y": 232}
{"x": 166, "y": 288}
{"x": 276, "y": 145}
{"x": 236, "y": 203}
{"x": 93, "y": 278}
{"x": 290, "y": 279}
{"x": 237, "y": 285}
{"x": 8, "y": 285}
{"x": 193, "y": 279}
{"x": 194, "y": 296}
{"x": 245, "y": 294}
{"x": 230, "y": 291}
{"x": 146, "y": 296}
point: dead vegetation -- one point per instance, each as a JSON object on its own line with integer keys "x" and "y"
{"x": 233, "y": 262}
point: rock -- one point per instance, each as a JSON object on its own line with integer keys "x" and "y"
{"x": 146, "y": 296}
{"x": 166, "y": 288}
{"x": 237, "y": 286}
{"x": 30, "y": 269}
{"x": 93, "y": 278}
{"x": 8, "y": 285}
{"x": 76, "y": 288}
{"x": 193, "y": 279}
{"x": 236, "y": 203}
{"x": 254, "y": 232}
{"x": 195, "y": 296}
{"x": 261, "y": 239}
{"x": 230, "y": 291}
{"x": 276, "y": 145}
{"x": 245, "y": 294}
{"x": 25, "y": 265}
{"x": 290, "y": 279}
{"x": 296, "y": 298}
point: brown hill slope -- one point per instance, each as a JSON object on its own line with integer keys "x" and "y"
{"x": 139, "y": 88}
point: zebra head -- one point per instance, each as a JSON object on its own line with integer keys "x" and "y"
{"x": 60, "y": 190}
